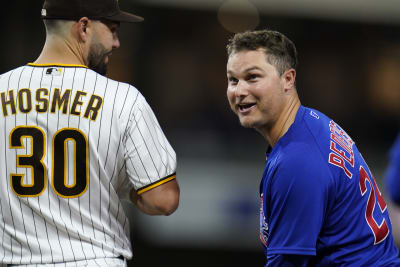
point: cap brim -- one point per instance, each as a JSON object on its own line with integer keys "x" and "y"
{"x": 125, "y": 17}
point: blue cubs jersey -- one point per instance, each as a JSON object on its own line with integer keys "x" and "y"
{"x": 319, "y": 199}
{"x": 392, "y": 176}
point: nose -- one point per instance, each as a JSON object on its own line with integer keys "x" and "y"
{"x": 241, "y": 89}
{"x": 116, "y": 43}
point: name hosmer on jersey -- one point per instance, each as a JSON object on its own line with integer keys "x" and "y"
{"x": 41, "y": 100}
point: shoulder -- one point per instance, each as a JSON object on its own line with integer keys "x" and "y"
{"x": 301, "y": 156}
{"x": 317, "y": 123}
{"x": 303, "y": 153}
{"x": 109, "y": 83}
{"x": 302, "y": 144}
{"x": 309, "y": 142}
{"x": 8, "y": 74}
{"x": 124, "y": 92}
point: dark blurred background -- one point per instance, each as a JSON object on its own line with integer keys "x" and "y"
{"x": 349, "y": 54}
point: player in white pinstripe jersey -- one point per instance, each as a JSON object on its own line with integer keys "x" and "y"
{"x": 73, "y": 143}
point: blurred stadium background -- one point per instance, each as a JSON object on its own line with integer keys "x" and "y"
{"x": 349, "y": 53}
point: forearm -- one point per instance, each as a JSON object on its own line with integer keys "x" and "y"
{"x": 146, "y": 207}
{"x": 162, "y": 200}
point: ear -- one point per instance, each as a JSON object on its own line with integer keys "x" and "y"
{"x": 83, "y": 28}
{"x": 289, "y": 79}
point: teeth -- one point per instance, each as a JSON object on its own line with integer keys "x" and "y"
{"x": 245, "y": 106}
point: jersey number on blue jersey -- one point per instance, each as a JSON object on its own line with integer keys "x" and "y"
{"x": 340, "y": 159}
{"x": 380, "y": 231}
{"x": 33, "y": 160}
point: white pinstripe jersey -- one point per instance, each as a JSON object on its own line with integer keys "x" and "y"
{"x": 73, "y": 143}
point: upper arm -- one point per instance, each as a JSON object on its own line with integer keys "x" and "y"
{"x": 149, "y": 158}
{"x": 299, "y": 193}
{"x": 160, "y": 200}
{"x": 150, "y": 162}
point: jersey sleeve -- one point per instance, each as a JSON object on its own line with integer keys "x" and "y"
{"x": 150, "y": 160}
{"x": 297, "y": 204}
{"x": 282, "y": 260}
{"x": 392, "y": 176}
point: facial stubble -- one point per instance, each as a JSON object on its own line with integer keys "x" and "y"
{"x": 97, "y": 58}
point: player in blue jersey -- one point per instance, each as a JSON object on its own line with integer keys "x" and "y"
{"x": 392, "y": 176}
{"x": 320, "y": 205}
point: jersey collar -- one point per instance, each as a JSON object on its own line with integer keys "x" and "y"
{"x": 57, "y": 65}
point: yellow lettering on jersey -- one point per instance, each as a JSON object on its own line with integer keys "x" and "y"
{"x": 66, "y": 162}
{"x": 93, "y": 107}
{"x": 33, "y": 160}
{"x": 24, "y": 100}
{"x": 22, "y": 146}
{"x": 60, "y": 163}
{"x": 60, "y": 100}
{"x": 76, "y": 103}
{"x": 42, "y": 103}
{"x": 10, "y": 101}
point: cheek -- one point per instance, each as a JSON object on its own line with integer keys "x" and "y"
{"x": 230, "y": 95}
{"x": 228, "y": 92}
{"x": 264, "y": 91}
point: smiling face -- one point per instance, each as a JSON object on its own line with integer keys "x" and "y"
{"x": 256, "y": 90}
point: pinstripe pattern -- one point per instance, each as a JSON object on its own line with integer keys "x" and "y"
{"x": 126, "y": 150}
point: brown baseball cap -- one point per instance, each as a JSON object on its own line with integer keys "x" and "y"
{"x": 93, "y": 9}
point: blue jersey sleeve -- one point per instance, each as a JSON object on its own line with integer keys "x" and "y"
{"x": 277, "y": 260}
{"x": 298, "y": 201}
{"x": 392, "y": 176}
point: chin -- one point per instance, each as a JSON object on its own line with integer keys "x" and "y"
{"x": 246, "y": 123}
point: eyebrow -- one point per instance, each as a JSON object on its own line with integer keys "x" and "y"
{"x": 111, "y": 24}
{"x": 248, "y": 69}
{"x": 252, "y": 68}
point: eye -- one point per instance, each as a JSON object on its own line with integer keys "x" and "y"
{"x": 112, "y": 25}
{"x": 115, "y": 29}
{"x": 252, "y": 77}
{"x": 115, "y": 32}
{"x": 232, "y": 80}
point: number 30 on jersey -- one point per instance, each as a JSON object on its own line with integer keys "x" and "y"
{"x": 33, "y": 160}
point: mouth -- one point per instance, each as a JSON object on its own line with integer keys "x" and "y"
{"x": 245, "y": 107}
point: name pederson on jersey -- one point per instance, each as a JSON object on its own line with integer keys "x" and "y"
{"x": 319, "y": 198}
{"x": 73, "y": 143}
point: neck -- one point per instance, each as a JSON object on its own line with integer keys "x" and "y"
{"x": 61, "y": 51}
{"x": 285, "y": 120}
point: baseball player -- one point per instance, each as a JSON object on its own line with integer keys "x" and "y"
{"x": 392, "y": 176}
{"x": 74, "y": 144}
{"x": 320, "y": 205}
